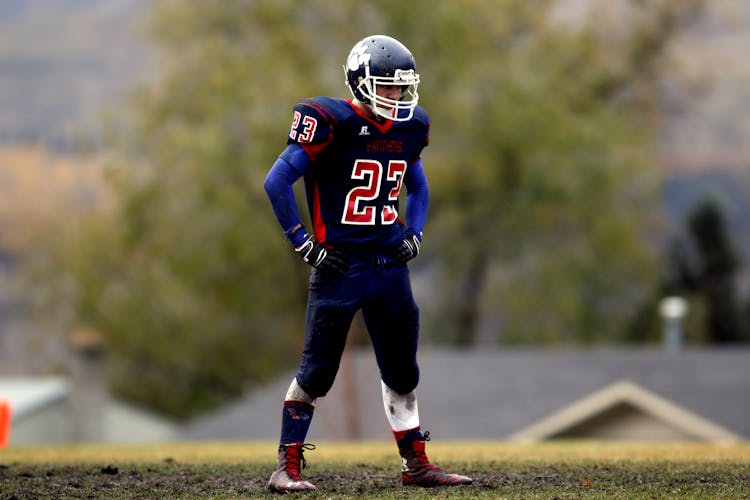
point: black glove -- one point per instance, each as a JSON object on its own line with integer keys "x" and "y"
{"x": 409, "y": 247}
{"x": 322, "y": 258}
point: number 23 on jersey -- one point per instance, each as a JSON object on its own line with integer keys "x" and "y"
{"x": 360, "y": 207}
{"x": 307, "y": 129}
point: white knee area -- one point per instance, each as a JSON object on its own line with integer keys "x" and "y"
{"x": 297, "y": 393}
{"x": 401, "y": 409}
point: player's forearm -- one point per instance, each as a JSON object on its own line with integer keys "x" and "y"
{"x": 278, "y": 186}
{"x": 417, "y": 197}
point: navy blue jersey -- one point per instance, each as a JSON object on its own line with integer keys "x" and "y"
{"x": 358, "y": 166}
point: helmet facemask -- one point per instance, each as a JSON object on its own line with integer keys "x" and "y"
{"x": 400, "y": 109}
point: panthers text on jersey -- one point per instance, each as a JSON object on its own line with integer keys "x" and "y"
{"x": 358, "y": 167}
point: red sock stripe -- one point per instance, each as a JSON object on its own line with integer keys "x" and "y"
{"x": 399, "y": 435}
{"x": 299, "y": 404}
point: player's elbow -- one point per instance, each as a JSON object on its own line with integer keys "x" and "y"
{"x": 270, "y": 183}
{"x": 276, "y": 183}
{"x": 280, "y": 178}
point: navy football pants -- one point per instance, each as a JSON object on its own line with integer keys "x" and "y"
{"x": 381, "y": 288}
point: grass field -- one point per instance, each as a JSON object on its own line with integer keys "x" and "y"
{"x": 371, "y": 470}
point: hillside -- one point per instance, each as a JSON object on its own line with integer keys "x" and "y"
{"x": 66, "y": 65}
{"x": 37, "y": 188}
{"x": 708, "y": 98}
{"x": 63, "y": 63}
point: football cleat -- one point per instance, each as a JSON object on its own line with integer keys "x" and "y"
{"x": 418, "y": 471}
{"x": 286, "y": 478}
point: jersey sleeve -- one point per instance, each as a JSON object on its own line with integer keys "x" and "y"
{"x": 312, "y": 127}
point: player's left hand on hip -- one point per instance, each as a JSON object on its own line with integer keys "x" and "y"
{"x": 409, "y": 247}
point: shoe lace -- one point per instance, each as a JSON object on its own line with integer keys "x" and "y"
{"x": 295, "y": 457}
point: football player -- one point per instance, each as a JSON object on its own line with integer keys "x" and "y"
{"x": 355, "y": 156}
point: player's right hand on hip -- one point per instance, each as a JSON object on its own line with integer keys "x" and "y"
{"x": 409, "y": 247}
{"x": 321, "y": 258}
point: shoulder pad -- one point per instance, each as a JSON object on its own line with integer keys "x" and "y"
{"x": 312, "y": 123}
{"x": 421, "y": 115}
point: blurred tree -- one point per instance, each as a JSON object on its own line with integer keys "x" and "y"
{"x": 715, "y": 276}
{"x": 540, "y": 167}
{"x": 542, "y": 162}
{"x": 189, "y": 277}
{"x": 702, "y": 267}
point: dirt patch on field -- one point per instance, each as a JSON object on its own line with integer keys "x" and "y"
{"x": 173, "y": 480}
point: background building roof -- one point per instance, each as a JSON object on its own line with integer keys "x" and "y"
{"x": 28, "y": 394}
{"x": 494, "y": 393}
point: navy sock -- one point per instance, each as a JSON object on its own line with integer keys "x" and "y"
{"x": 404, "y": 438}
{"x": 295, "y": 421}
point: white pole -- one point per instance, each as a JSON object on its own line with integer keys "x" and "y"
{"x": 673, "y": 310}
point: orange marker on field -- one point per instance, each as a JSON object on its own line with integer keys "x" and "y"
{"x": 5, "y": 417}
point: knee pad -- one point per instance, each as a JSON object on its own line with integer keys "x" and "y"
{"x": 316, "y": 381}
{"x": 404, "y": 381}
